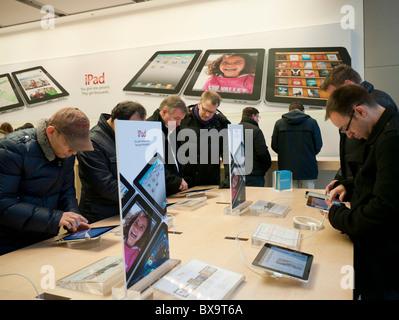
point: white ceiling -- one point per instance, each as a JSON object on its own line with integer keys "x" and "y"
{"x": 19, "y": 12}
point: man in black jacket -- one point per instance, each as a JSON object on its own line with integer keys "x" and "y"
{"x": 98, "y": 169}
{"x": 261, "y": 160}
{"x": 344, "y": 74}
{"x": 204, "y": 121}
{"x": 372, "y": 221}
{"x": 170, "y": 113}
{"x": 37, "y": 190}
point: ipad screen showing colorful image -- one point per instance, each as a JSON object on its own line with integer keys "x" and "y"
{"x": 37, "y": 85}
{"x": 298, "y": 73}
{"x": 9, "y": 97}
{"x": 165, "y": 72}
{"x": 233, "y": 73}
{"x": 151, "y": 182}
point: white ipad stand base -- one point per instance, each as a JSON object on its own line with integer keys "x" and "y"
{"x": 143, "y": 289}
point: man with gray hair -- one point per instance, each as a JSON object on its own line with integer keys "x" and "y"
{"x": 170, "y": 113}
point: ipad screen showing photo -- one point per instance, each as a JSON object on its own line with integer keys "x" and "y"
{"x": 297, "y": 73}
{"x": 157, "y": 252}
{"x": 164, "y": 73}
{"x": 234, "y": 73}
{"x": 37, "y": 85}
{"x": 9, "y": 96}
{"x": 151, "y": 182}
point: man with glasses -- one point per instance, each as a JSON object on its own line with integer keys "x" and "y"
{"x": 37, "y": 190}
{"x": 372, "y": 219}
{"x": 204, "y": 120}
{"x": 344, "y": 74}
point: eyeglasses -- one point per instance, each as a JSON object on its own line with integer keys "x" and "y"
{"x": 207, "y": 111}
{"x": 349, "y": 123}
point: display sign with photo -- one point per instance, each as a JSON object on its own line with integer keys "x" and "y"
{"x": 9, "y": 96}
{"x": 142, "y": 197}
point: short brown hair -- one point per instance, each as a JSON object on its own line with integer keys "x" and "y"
{"x": 296, "y": 105}
{"x": 126, "y": 109}
{"x": 339, "y": 74}
{"x": 249, "y": 111}
{"x": 346, "y": 97}
{"x": 213, "y": 96}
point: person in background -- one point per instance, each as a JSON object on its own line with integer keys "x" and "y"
{"x": 203, "y": 118}
{"x": 37, "y": 189}
{"x": 372, "y": 219}
{"x": 261, "y": 160}
{"x": 98, "y": 169}
{"x": 297, "y": 140}
{"x": 344, "y": 74}
{"x": 6, "y": 127}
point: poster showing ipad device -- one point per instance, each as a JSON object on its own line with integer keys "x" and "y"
{"x": 237, "y": 165}
{"x": 297, "y": 73}
{"x": 9, "y": 96}
{"x": 37, "y": 85}
{"x": 236, "y": 74}
{"x": 164, "y": 73}
{"x": 142, "y": 197}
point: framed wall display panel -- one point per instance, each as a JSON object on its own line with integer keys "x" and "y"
{"x": 236, "y": 74}
{"x": 9, "y": 96}
{"x": 37, "y": 85}
{"x": 297, "y": 73}
{"x": 164, "y": 73}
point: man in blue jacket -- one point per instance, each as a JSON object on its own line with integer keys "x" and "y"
{"x": 37, "y": 189}
{"x": 297, "y": 140}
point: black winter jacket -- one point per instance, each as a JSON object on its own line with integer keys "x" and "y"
{"x": 373, "y": 220}
{"x": 297, "y": 140}
{"x": 98, "y": 174}
{"x": 198, "y": 173}
{"x": 36, "y": 188}
{"x": 172, "y": 178}
{"x": 260, "y": 153}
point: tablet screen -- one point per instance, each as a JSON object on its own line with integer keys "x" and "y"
{"x": 164, "y": 73}
{"x": 92, "y": 233}
{"x": 297, "y": 73}
{"x": 9, "y": 96}
{"x": 37, "y": 85}
{"x": 151, "y": 182}
{"x": 285, "y": 261}
{"x": 236, "y": 74}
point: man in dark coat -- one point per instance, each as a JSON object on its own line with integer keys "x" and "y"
{"x": 199, "y": 151}
{"x": 170, "y": 113}
{"x": 344, "y": 74}
{"x": 37, "y": 190}
{"x": 98, "y": 169}
{"x": 261, "y": 160}
{"x": 372, "y": 221}
{"x": 297, "y": 140}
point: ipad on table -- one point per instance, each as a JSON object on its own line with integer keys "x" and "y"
{"x": 164, "y": 73}
{"x": 84, "y": 235}
{"x": 37, "y": 85}
{"x": 285, "y": 262}
{"x": 236, "y": 74}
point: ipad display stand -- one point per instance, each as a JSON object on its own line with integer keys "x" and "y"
{"x": 85, "y": 244}
{"x": 143, "y": 289}
{"x": 239, "y": 210}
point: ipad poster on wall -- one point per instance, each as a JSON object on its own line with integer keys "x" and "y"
{"x": 236, "y": 74}
{"x": 237, "y": 165}
{"x": 142, "y": 196}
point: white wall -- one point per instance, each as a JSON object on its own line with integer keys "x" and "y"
{"x": 170, "y": 25}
